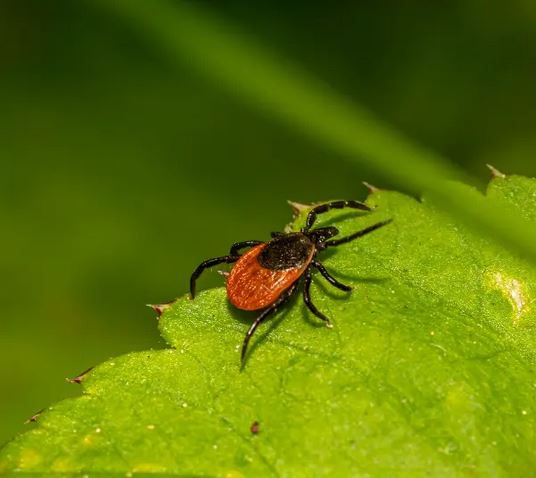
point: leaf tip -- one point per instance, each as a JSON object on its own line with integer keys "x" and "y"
{"x": 495, "y": 173}
{"x": 371, "y": 188}
{"x": 297, "y": 207}
{"x": 80, "y": 377}
{"x": 161, "y": 308}
{"x": 34, "y": 417}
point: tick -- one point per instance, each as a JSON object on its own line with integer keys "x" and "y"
{"x": 268, "y": 274}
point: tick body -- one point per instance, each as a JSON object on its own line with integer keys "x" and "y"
{"x": 264, "y": 272}
{"x": 268, "y": 274}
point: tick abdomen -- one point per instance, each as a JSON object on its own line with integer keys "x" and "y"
{"x": 252, "y": 286}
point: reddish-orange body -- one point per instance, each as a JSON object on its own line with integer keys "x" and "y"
{"x": 250, "y": 286}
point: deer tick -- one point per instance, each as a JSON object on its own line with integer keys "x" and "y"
{"x": 268, "y": 274}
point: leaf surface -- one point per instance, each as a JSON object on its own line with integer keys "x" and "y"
{"x": 428, "y": 371}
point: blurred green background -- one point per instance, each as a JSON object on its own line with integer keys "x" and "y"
{"x": 119, "y": 173}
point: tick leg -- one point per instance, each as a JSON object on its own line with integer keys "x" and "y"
{"x": 355, "y": 235}
{"x": 334, "y": 282}
{"x": 307, "y": 299}
{"x": 235, "y": 248}
{"x": 321, "y": 208}
{"x": 205, "y": 265}
{"x": 284, "y": 297}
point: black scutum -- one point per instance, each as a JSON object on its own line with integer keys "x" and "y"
{"x": 286, "y": 252}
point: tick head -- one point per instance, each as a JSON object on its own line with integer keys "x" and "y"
{"x": 322, "y": 234}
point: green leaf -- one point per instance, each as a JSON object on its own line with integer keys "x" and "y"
{"x": 428, "y": 371}
{"x": 188, "y": 34}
